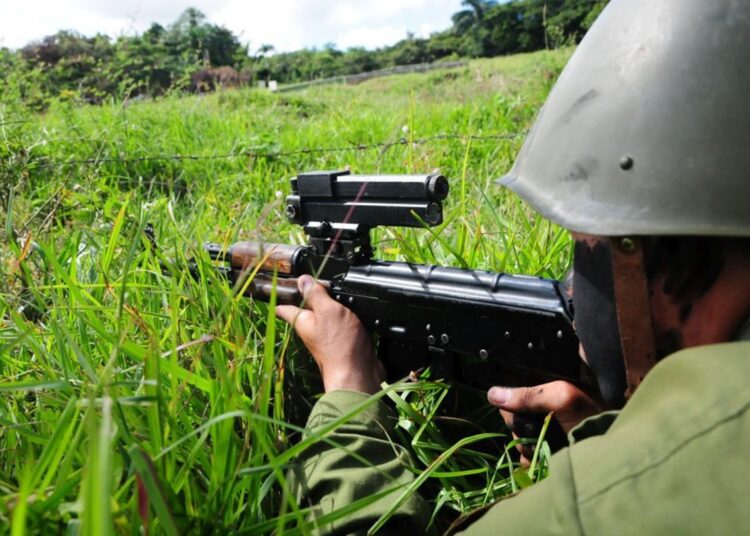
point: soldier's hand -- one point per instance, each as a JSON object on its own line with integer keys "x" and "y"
{"x": 336, "y": 338}
{"x": 519, "y": 405}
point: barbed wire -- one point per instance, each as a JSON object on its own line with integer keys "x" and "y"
{"x": 383, "y": 146}
{"x": 14, "y": 122}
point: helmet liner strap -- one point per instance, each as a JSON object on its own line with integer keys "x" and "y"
{"x": 633, "y": 310}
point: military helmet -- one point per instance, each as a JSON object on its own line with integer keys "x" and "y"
{"x": 647, "y": 131}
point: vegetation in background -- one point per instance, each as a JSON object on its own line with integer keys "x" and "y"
{"x": 133, "y": 402}
{"x": 186, "y": 54}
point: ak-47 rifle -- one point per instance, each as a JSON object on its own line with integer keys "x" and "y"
{"x": 469, "y": 325}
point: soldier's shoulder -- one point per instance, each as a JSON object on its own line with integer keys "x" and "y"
{"x": 675, "y": 456}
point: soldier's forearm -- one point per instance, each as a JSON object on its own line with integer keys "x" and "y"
{"x": 359, "y": 463}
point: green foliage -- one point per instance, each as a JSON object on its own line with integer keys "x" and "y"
{"x": 484, "y": 29}
{"x": 69, "y": 66}
{"x": 137, "y": 402}
{"x": 192, "y": 36}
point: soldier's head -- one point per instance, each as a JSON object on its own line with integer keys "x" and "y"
{"x": 642, "y": 150}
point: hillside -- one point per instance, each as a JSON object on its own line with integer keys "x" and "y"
{"x": 135, "y": 399}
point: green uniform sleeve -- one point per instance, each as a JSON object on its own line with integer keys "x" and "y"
{"x": 359, "y": 463}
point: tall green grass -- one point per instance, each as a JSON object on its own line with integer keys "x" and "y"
{"x": 137, "y": 402}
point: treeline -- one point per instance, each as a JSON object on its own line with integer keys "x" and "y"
{"x": 194, "y": 54}
{"x": 484, "y": 29}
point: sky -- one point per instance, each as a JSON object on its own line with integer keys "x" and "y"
{"x": 285, "y": 24}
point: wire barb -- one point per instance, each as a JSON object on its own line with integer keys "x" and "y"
{"x": 294, "y": 152}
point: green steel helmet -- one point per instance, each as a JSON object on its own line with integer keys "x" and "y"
{"x": 647, "y": 130}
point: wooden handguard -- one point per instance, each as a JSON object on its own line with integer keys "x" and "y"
{"x": 271, "y": 257}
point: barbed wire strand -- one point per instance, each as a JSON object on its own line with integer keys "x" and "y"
{"x": 278, "y": 154}
{"x": 14, "y": 122}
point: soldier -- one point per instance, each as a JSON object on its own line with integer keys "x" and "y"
{"x": 641, "y": 151}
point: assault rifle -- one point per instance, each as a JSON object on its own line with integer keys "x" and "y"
{"x": 477, "y": 327}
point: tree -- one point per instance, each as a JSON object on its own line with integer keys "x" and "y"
{"x": 198, "y": 41}
{"x": 359, "y": 60}
{"x": 155, "y": 33}
{"x": 465, "y": 19}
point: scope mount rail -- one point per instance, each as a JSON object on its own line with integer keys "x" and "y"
{"x": 337, "y": 210}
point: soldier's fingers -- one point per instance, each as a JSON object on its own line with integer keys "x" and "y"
{"x": 525, "y": 450}
{"x": 508, "y": 418}
{"x": 528, "y": 425}
{"x": 569, "y": 404}
{"x": 314, "y": 295}
{"x": 288, "y": 313}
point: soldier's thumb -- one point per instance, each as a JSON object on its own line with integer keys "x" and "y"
{"x": 314, "y": 295}
{"x": 518, "y": 399}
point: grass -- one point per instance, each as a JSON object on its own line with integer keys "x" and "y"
{"x": 133, "y": 402}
